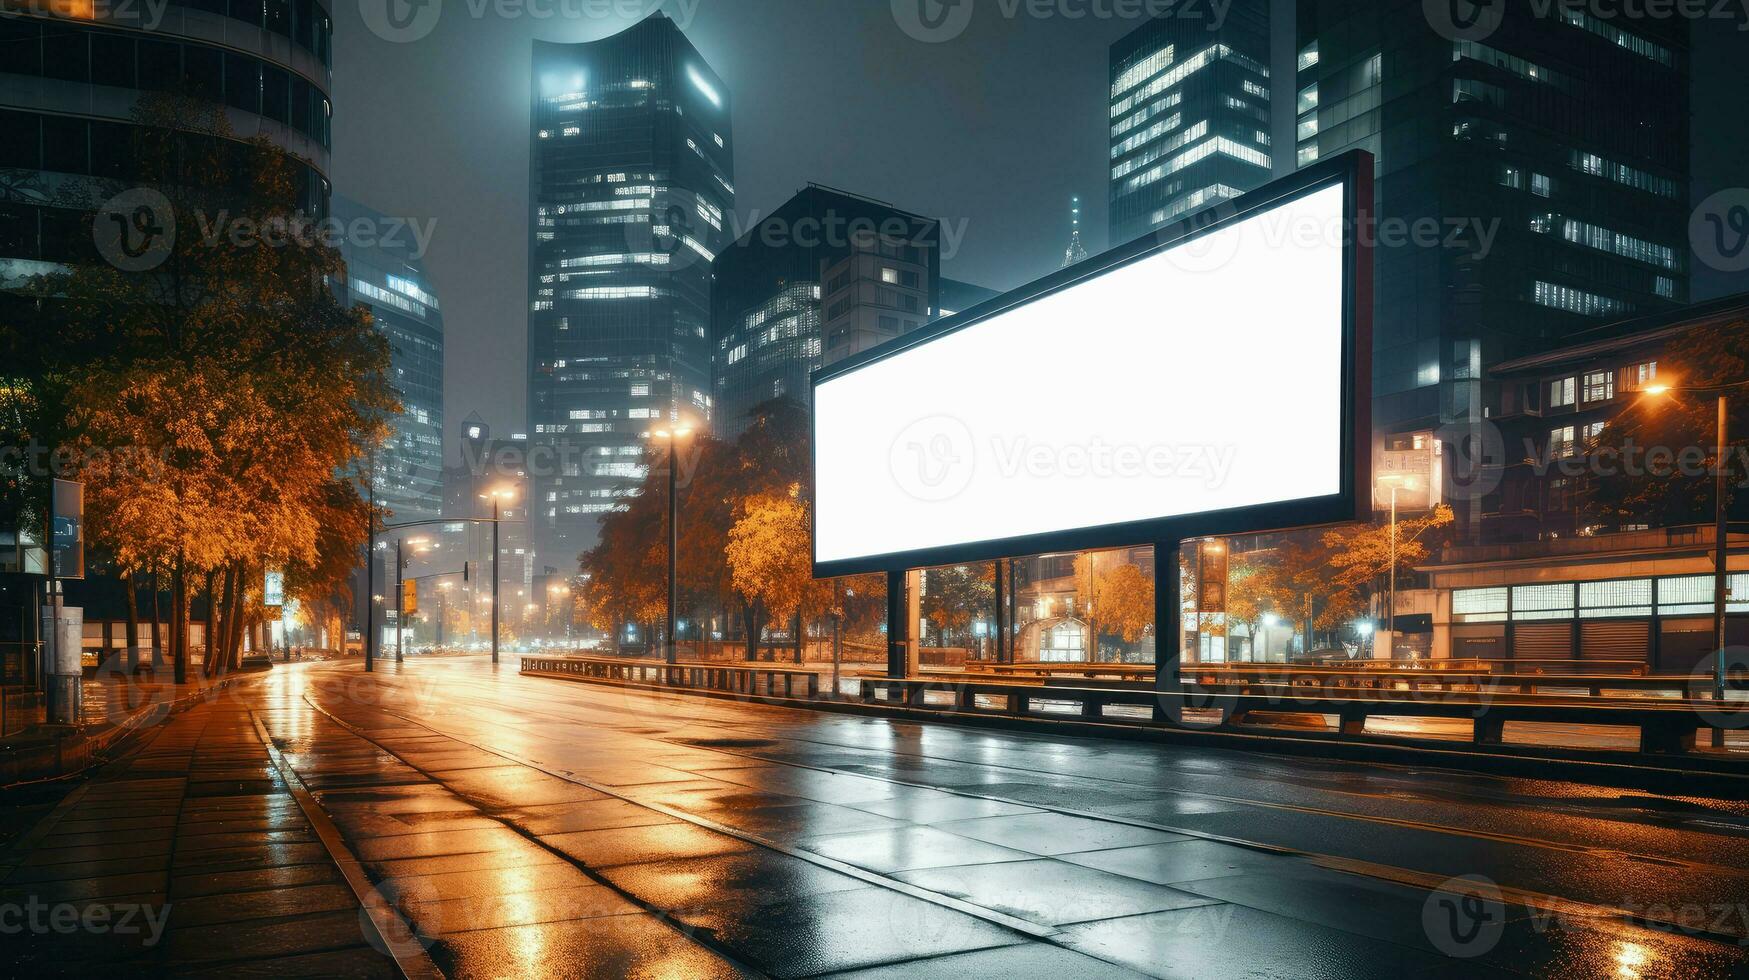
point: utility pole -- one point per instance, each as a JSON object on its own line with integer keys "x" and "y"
{"x": 370, "y": 576}
{"x": 494, "y": 578}
{"x": 400, "y": 606}
{"x": 1721, "y": 571}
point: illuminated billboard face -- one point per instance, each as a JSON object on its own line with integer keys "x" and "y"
{"x": 1200, "y": 378}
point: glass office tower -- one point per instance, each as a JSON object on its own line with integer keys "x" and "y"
{"x": 631, "y": 184}
{"x": 1190, "y": 115}
{"x": 827, "y": 273}
{"x": 388, "y": 275}
{"x": 1548, "y": 156}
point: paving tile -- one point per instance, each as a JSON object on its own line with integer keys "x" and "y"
{"x": 467, "y": 914}
{"x": 1055, "y": 833}
{"x": 909, "y": 848}
{"x": 229, "y": 882}
{"x": 437, "y": 842}
{"x": 842, "y": 930}
{"x": 559, "y": 818}
{"x": 1233, "y": 941}
{"x": 1186, "y": 860}
{"x": 938, "y": 809}
{"x": 628, "y": 845}
{"x": 258, "y": 940}
{"x": 267, "y": 904}
{"x": 616, "y": 946}
{"x": 751, "y": 877}
{"x": 471, "y": 884}
{"x": 1051, "y": 892}
{"x": 511, "y": 786}
{"x": 802, "y": 819}
{"x": 1031, "y": 960}
{"x": 360, "y": 963}
{"x": 451, "y": 863}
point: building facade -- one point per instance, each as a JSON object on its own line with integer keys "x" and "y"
{"x": 69, "y": 87}
{"x": 1532, "y": 180}
{"x": 1557, "y": 576}
{"x": 388, "y": 276}
{"x": 1190, "y": 114}
{"x": 826, "y": 272}
{"x": 631, "y": 184}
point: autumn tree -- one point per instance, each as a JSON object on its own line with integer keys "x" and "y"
{"x": 1117, "y": 596}
{"x": 1358, "y": 561}
{"x": 770, "y": 560}
{"x": 216, "y": 398}
{"x": 1661, "y": 449}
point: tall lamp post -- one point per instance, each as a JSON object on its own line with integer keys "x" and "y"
{"x": 1721, "y": 532}
{"x": 672, "y": 437}
{"x": 496, "y": 496}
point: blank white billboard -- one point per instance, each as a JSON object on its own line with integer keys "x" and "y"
{"x": 1203, "y": 377}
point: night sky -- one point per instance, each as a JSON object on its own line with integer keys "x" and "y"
{"x": 992, "y": 131}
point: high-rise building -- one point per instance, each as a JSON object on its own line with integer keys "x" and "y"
{"x": 631, "y": 183}
{"x": 388, "y": 276}
{"x": 1190, "y": 115}
{"x": 823, "y": 275}
{"x": 72, "y": 83}
{"x": 1532, "y": 181}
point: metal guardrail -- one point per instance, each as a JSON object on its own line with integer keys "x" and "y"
{"x": 728, "y": 678}
{"x": 1471, "y": 665}
{"x": 1671, "y": 728}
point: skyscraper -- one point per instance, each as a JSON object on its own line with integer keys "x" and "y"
{"x": 826, "y": 274}
{"x": 631, "y": 182}
{"x": 1190, "y": 114}
{"x": 66, "y": 108}
{"x": 1543, "y": 158}
{"x": 388, "y": 275}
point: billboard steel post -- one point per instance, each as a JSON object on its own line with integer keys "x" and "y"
{"x": 1168, "y": 633}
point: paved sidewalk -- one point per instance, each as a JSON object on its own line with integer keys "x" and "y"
{"x": 189, "y": 855}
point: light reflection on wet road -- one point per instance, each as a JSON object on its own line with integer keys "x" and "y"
{"x": 516, "y": 821}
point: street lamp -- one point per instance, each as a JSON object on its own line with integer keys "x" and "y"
{"x": 672, "y": 437}
{"x": 1397, "y": 483}
{"x": 1721, "y": 535}
{"x": 495, "y": 496}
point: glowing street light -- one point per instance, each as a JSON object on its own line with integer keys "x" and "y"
{"x": 672, "y": 437}
{"x": 1721, "y": 532}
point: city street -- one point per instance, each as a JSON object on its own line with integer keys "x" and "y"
{"x": 532, "y": 825}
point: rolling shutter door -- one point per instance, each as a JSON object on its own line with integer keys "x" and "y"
{"x": 1542, "y": 641}
{"x": 1629, "y": 640}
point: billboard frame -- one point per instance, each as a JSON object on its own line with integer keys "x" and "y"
{"x": 1353, "y": 500}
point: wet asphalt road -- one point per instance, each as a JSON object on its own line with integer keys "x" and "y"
{"x": 529, "y": 826}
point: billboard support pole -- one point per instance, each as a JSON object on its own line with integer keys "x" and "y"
{"x": 898, "y": 632}
{"x": 1168, "y": 633}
